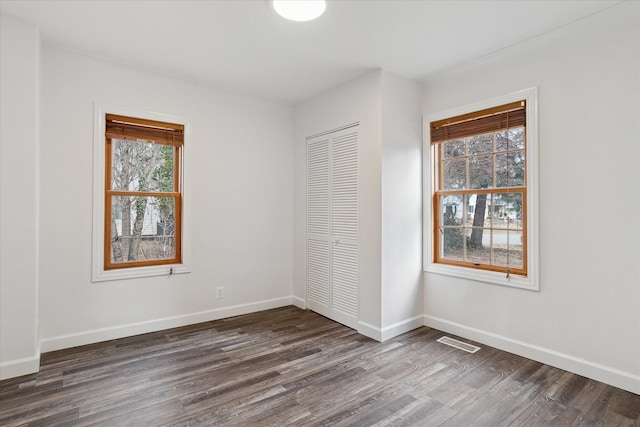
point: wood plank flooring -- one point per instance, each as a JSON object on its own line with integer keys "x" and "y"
{"x": 293, "y": 367}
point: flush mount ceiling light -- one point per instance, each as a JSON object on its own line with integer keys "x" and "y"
{"x": 299, "y": 10}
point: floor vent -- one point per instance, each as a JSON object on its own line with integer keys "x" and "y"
{"x": 459, "y": 344}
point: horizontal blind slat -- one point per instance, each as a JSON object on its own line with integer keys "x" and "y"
{"x": 477, "y": 126}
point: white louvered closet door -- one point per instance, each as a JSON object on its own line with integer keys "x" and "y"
{"x": 332, "y": 225}
{"x": 318, "y": 222}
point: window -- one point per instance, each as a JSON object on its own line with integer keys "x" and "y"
{"x": 139, "y": 204}
{"x": 482, "y": 174}
{"x": 142, "y": 192}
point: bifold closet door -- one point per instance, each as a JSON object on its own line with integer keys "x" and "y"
{"x": 332, "y": 225}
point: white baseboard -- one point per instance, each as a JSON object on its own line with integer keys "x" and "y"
{"x": 121, "y": 331}
{"x": 370, "y": 331}
{"x": 392, "y": 331}
{"x": 400, "y": 328}
{"x": 19, "y": 367}
{"x": 624, "y": 380}
{"x": 299, "y": 302}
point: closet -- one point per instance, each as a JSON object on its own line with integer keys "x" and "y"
{"x": 332, "y": 224}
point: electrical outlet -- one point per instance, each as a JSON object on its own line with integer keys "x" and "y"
{"x": 220, "y": 292}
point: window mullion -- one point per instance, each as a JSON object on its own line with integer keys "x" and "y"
{"x": 493, "y": 159}
{"x": 467, "y": 184}
{"x": 491, "y": 208}
{"x": 176, "y": 170}
{"x": 441, "y": 167}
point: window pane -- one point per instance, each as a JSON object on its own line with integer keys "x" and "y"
{"x": 480, "y": 144}
{"x": 451, "y": 243}
{"x": 510, "y": 169}
{"x": 502, "y": 143}
{"x": 140, "y": 166}
{"x": 481, "y": 172}
{"x": 507, "y": 210}
{"x": 510, "y": 140}
{"x": 453, "y": 148}
{"x": 478, "y": 208}
{"x": 507, "y": 248}
{"x": 478, "y": 238}
{"x": 452, "y": 210}
{"x": 469, "y": 209}
{"x": 516, "y": 139}
{"x": 454, "y": 174}
{"x": 142, "y": 228}
{"x": 479, "y": 245}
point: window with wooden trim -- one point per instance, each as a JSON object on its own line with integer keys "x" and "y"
{"x": 143, "y": 192}
{"x": 479, "y": 173}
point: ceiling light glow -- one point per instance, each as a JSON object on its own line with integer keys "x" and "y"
{"x": 299, "y": 10}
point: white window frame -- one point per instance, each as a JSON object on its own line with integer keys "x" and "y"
{"x": 98, "y": 273}
{"x": 531, "y": 281}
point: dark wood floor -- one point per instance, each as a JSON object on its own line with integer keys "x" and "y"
{"x": 293, "y": 367}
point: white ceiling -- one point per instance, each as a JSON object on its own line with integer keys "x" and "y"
{"x": 245, "y": 47}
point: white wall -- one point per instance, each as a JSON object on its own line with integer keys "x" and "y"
{"x": 586, "y": 317}
{"x": 19, "y": 85}
{"x": 401, "y": 204}
{"x": 357, "y": 101}
{"x": 241, "y": 212}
